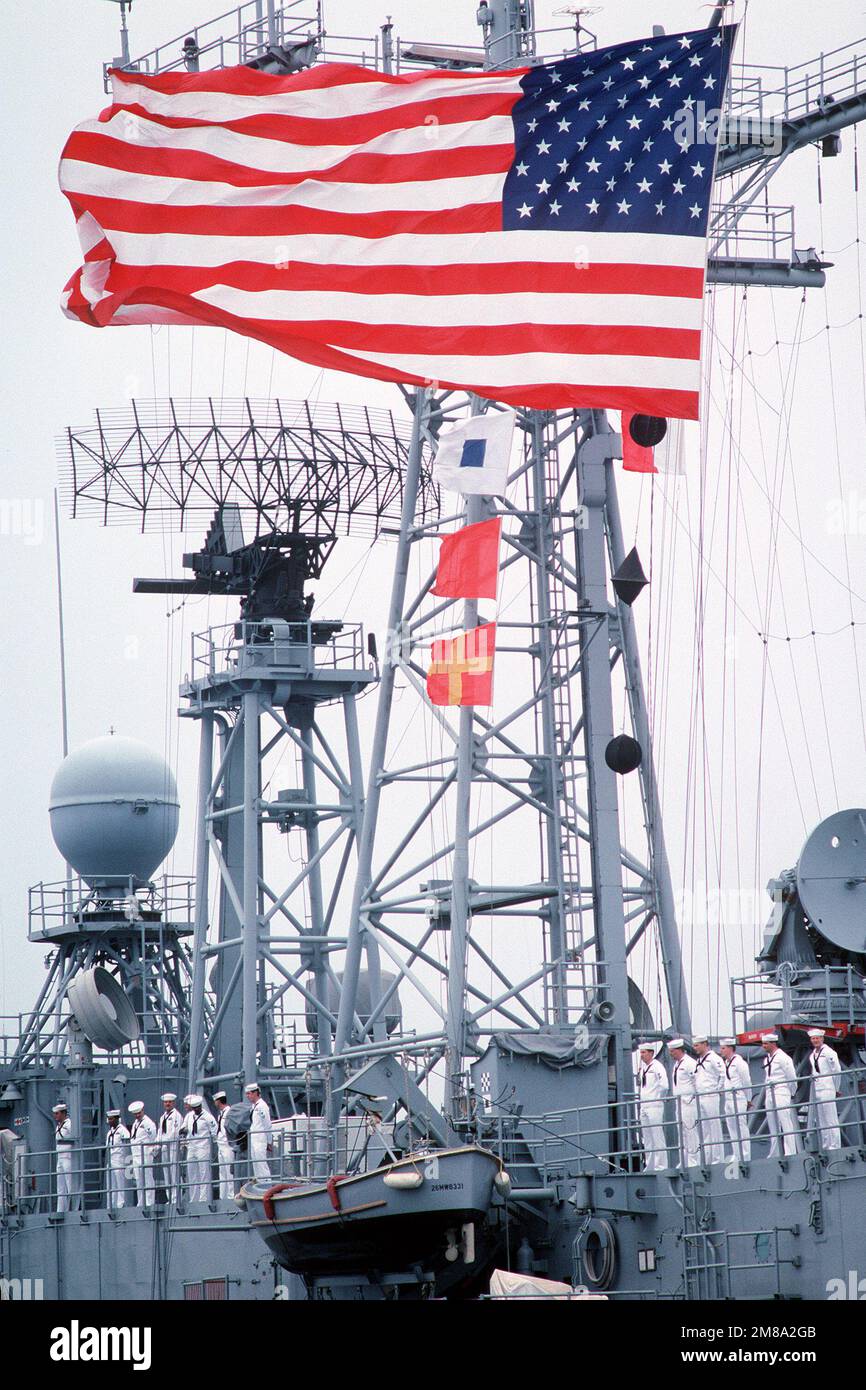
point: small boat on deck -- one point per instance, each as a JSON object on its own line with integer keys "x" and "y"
{"x": 429, "y": 1210}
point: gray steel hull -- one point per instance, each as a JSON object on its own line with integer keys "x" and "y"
{"x": 780, "y": 1229}
{"x": 129, "y": 1256}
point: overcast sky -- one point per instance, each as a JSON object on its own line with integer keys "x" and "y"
{"x": 755, "y": 741}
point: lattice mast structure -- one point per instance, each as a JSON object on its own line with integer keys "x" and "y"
{"x": 587, "y": 884}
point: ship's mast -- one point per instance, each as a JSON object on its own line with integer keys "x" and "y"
{"x": 585, "y": 975}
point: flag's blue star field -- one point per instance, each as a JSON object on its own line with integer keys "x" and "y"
{"x": 620, "y": 140}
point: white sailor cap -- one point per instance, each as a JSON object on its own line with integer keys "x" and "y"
{"x": 112, "y": 1114}
{"x": 676, "y": 1042}
{"x": 727, "y": 1042}
{"x": 58, "y": 1106}
{"x": 251, "y": 1086}
{"x": 700, "y": 1037}
{"x": 769, "y": 1037}
{"x": 646, "y": 1047}
{"x": 135, "y": 1107}
{"x": 193, "y": 1100}
{"x": 220, "y": 1095}
{"x": 816, "y": 1033}
{"x": 169, "y": 1095}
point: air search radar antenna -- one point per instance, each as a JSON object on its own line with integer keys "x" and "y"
{"x": 831, "y": 879}
{"x": 280, "y": 481}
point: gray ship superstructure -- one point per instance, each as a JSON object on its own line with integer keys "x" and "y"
{"x": 438, "y": 1111}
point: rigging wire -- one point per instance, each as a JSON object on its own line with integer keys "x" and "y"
{"x": 837, "y": 449}
{"x": 743, "y": 462}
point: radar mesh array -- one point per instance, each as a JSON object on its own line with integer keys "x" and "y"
{"x": 168, "y": 464}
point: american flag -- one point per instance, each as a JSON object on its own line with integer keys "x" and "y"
{"x": 537, "y": 236}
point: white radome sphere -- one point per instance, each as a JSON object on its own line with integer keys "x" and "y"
{"x": 114, "y": 810}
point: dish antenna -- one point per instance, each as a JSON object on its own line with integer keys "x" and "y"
{"x": 102, "y": 1010}
{"x": 831, "y": 879}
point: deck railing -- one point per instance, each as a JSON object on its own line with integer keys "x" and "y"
{"x": 546, "y": 1156}
{"x": 824, "y": 992}
{"x": 545, "y": 1151}
{"x": 303, "y": 1148}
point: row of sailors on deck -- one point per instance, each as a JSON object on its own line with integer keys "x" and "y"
{"x": 147, "y": 1155}
{"x": 713, "y": 1089}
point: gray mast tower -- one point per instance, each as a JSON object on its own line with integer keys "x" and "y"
{"x": 591, "y": 899}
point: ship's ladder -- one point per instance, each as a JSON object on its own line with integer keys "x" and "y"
{"x": 567, "y": 992}
{"x": 706, "y": 1274}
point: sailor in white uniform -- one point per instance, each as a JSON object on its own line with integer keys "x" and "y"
{"x": 261, "y": 1132}
{"x": 780, "y": 1084}
{"x": 826, "y": 1071}
{"x": 144, "y": 1148}
{"x": 738, "y": 1099}
{"x": 225, "y": 1153}
{"x": 709, "y": 1079}
{"x": 168, "y": 1138}
{"x": 63, "y": 1142}
{"x": 652, "y": 1087}
{"x": 116, "y": 1161}
{"x": 198, "y": 1132}
{"x": 685, "y": 1093}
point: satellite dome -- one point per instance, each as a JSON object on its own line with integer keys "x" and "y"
{"x": 114, "y": 811}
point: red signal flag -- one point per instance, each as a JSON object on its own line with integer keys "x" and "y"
{"x": 469, "y": 562}
{"x": 635, "y": 458}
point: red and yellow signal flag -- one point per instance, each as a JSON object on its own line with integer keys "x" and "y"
{"x": 469, "y": 562}
{"x": 461, "y": 668}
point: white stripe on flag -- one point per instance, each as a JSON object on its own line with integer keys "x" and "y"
{"x": 595, "y": 370}
{"x": 285, "y": 157}
{"x": 422, "y": 195}
{"x": 442, "y": 311}
{"x": 326, "y": 103}
{"x": 548, "y": 248}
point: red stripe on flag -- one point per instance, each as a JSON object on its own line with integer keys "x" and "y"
{"x": 244, "y": 81}
{"x": 512, "y": 277}
{"x": 107, "y": 152}
{"x": 537, "y": 396}
{"x": 152, "y": 219}
{"x": 503, "y": 339}
{"x": 339, "y": 130}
